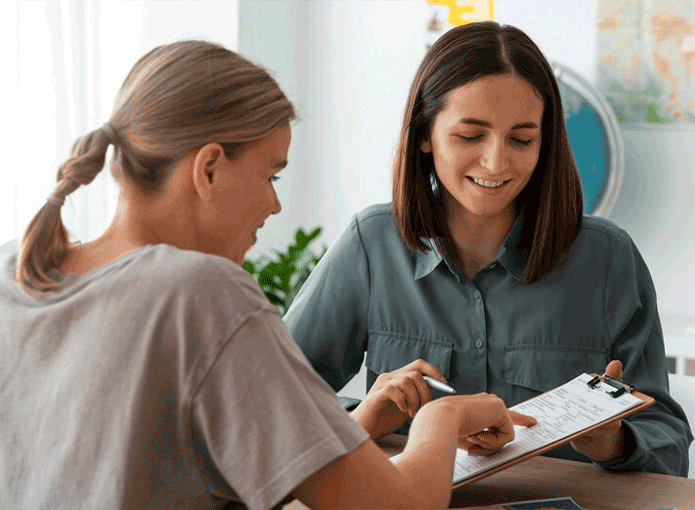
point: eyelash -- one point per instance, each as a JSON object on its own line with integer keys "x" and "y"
{"x": 470, "y": 139}
{"x": 473, "y": 139}
{"x": 523, "y": 142}
{"x": 274, "y": 178}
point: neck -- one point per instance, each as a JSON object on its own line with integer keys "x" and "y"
{"x": 135, "y": 224}
{"x": 475, "y": 240}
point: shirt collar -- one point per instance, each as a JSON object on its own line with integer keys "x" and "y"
{"x": 512, "y": 257}
{"x": 426, "y": 262}
{"x": 511, "y": 254}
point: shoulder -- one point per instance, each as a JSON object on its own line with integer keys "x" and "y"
{"x": 206, "y": 298}
{"x": 375, "y": 225}
{"x": 370, "y": 239}
{"x": 601, "y": 235}
{"x": 199, "y": 279}
{"x": 601, "y": 242}
{"x": 371, "y": 232}
{"x": 595, "y": 227}
{"x": 375, "y": 214}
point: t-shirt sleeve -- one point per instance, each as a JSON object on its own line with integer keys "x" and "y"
{"x": 265, "y": 418}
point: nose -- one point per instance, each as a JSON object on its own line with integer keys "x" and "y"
{"x": 277, "y": 206}
{"x": 494, "y": 156}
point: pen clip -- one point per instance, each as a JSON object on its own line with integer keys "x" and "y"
{"x": 620, "y": 386}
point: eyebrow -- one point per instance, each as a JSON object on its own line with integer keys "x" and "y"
{"x": 478, "y": 122}
{"x": 280, "y": 164}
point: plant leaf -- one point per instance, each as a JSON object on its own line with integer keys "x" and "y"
{"x": 282, "y": 276}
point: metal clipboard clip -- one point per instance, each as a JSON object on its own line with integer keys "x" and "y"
{"x": 620, "y": 386}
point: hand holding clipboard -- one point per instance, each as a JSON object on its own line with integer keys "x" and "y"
{"x": 607, "y": 441}
{"x": 575, "y": 409}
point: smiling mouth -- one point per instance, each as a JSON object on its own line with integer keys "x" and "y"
{"x": 487, "y": 184}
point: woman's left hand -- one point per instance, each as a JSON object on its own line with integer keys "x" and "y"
{"x": 491, "y": 440}
{"x": 604, "y": 443}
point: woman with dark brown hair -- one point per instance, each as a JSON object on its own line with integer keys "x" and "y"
{"x": 146, "y": 369}
{"x": 484, "y": 267}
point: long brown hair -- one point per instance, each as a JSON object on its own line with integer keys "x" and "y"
{"x": 176, "y": 98}
{"x": 552, "y": 199}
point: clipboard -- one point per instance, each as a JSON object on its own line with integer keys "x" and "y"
{"x": 609, "y": 389}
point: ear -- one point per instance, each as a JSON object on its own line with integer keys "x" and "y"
{"x": 425, "y": 144}
{"x": 206, "y": 168}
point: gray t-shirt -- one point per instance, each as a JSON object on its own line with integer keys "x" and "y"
{"x": 163, "y": 379}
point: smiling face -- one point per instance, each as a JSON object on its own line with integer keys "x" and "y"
{"x": 485, "y": 145}
{"x": 246, "y": 195}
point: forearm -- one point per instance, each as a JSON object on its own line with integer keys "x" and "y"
{"x": 428, "y": 458}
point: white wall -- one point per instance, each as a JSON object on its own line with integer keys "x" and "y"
{"x": 566, "y": 31}
{"x": 347, "y": 66}
{"x": 656, "y": 207}
{"x": 63, "y": 63}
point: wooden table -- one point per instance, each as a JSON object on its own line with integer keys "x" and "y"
{"x": 591, "y": 487}
{"x": 543, "y": 477}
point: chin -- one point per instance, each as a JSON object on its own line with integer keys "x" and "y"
{"x": 489, "y": 210}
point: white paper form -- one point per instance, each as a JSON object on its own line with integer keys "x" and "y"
{"x": 561, "y": 412}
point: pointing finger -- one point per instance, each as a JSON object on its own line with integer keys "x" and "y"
{"x": 522, "y": 419}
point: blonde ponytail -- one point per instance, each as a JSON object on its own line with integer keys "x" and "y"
{"x": 46, "y": 239}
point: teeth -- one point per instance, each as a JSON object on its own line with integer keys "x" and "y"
{"x": 488, "y": 184}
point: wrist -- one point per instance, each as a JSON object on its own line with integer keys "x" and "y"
{"x": 616, "y": 451}
{"x": 437, "y": 418}
{"x": 362, "y": 419}
{"x": 619, "y": 444}
{"x": 628, "y": 443}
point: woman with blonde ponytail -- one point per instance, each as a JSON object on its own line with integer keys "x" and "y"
{"x": 145, "y": 369}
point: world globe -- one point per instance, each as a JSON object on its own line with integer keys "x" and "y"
{"x": 595, "y": 138}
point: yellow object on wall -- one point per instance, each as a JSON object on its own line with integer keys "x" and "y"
{"x": 442, "y": 15}
{"x": 466, "y": 11}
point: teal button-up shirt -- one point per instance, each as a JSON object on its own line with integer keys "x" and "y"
{"x": 372, "y": 295}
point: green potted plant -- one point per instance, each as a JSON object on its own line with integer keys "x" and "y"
{"x": 281, "y": 277}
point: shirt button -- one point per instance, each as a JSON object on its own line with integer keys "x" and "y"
{"x": 476, "y": 295}
{"x": 478, "y": 343}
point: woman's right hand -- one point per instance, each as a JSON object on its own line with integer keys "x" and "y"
{"x": 394, "y": 397}
{"x": 421, "y": 477}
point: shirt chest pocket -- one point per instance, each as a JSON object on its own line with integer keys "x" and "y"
{"x": 388, "y": 352}
{"x": 540, "y": 368}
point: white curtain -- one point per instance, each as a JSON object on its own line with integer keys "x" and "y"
{"x": 63, "y": 62}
